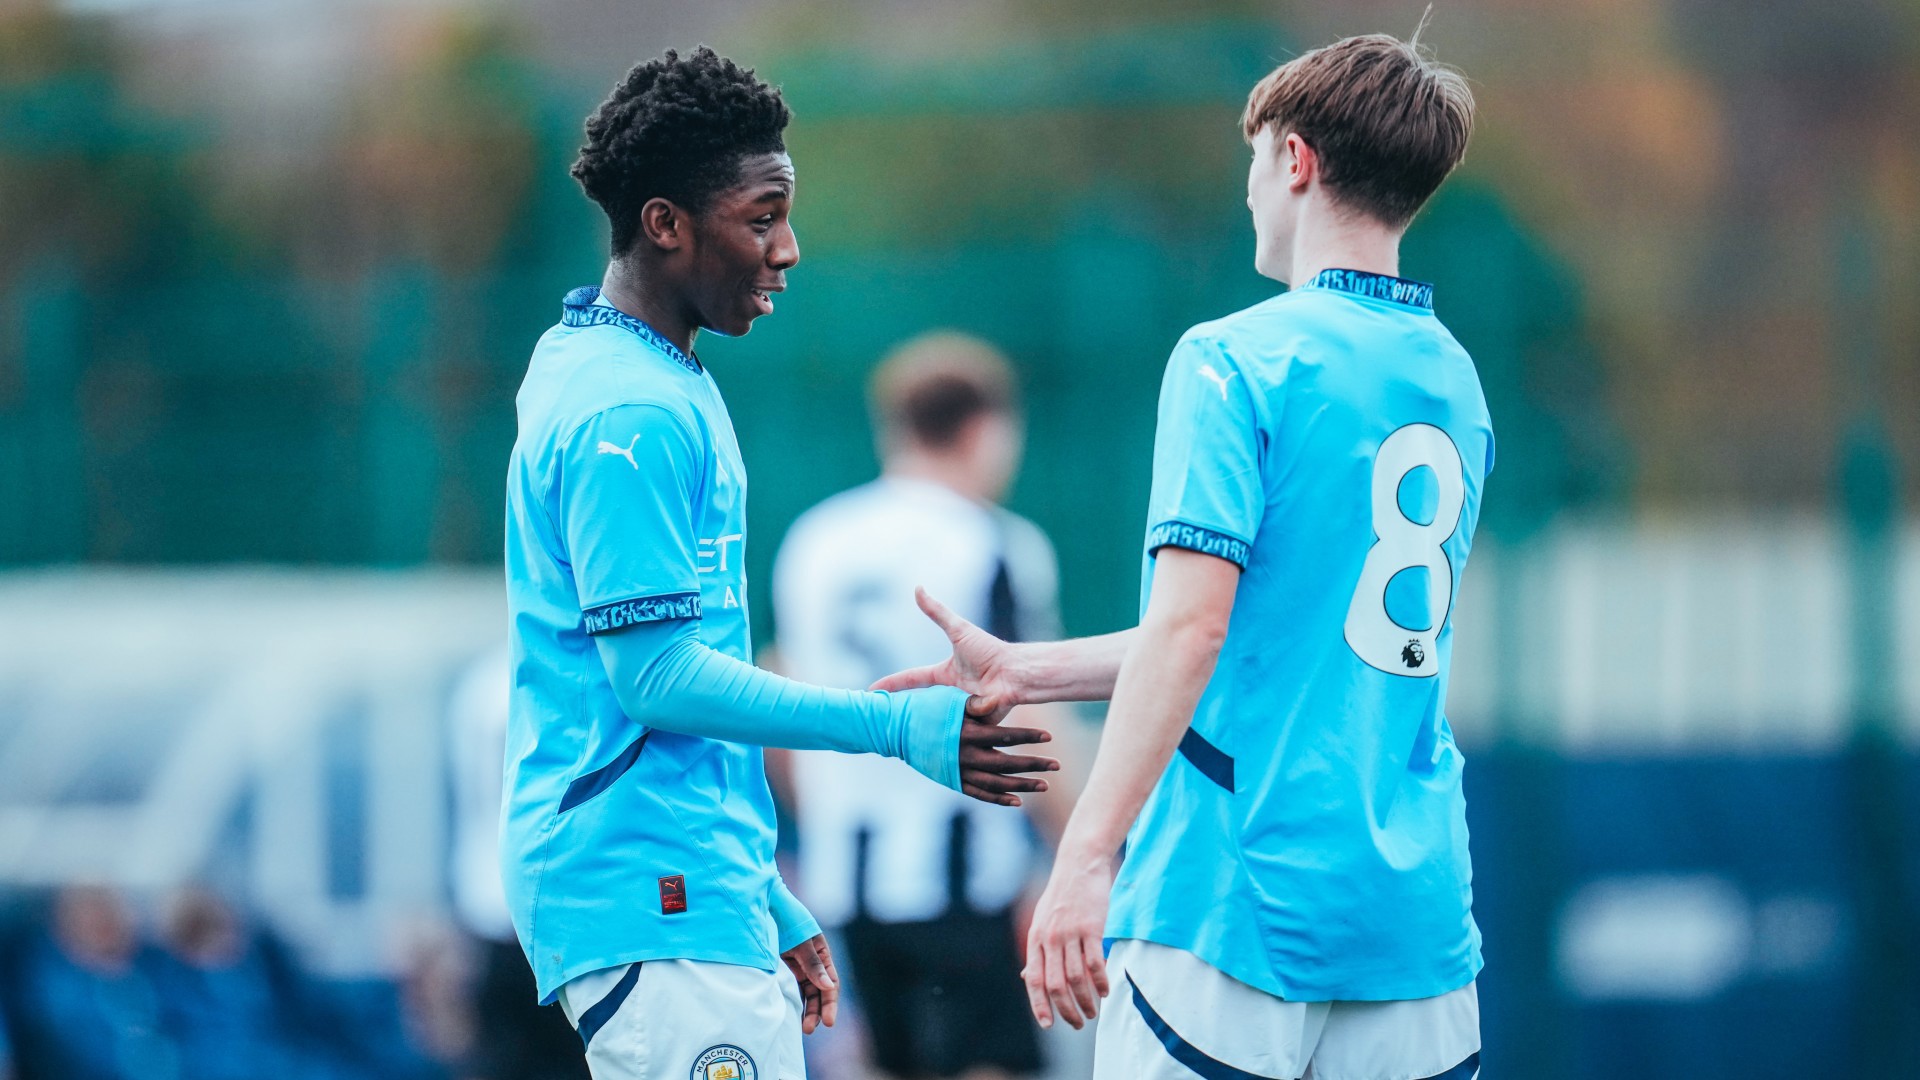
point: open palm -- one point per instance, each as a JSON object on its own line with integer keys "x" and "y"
{"x": 979, "y": 665}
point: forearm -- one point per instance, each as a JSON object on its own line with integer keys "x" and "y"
{"x": 1159, "y": 683}
{"x": 1078, "y": 669}
{"x": 667, "y": 678}
{"x": 792, "y": 922}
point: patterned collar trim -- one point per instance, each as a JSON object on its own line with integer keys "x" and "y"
{"x": 580, "y": 310}
{"x": 1377, "y": 286}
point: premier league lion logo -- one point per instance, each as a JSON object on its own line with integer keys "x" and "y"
{"x": 1414, "y": 654}
{"x": 723, "y": 1062}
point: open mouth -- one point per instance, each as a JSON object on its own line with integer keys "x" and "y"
{"x": 763, "y": 300}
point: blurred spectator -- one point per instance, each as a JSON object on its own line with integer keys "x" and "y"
{"x": 6, "y": 1050}
{"x": 219, "y": 1000}
{"x": 515, "y": 1038}
{"x": 361, "y": 1029}
{"x": 436, "y": 966}
{"x": 88, "y": 1005}
{"x": 921, "y": 882}
{"x": 218, "y": 996}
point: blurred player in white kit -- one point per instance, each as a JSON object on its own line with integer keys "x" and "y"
{"x": 921, "y": 883}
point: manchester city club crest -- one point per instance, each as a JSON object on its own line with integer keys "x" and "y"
{"x": 723, "y": 1062}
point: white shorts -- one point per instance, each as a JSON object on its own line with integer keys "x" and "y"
{"x": 1171, "y": 1015}
{"x": 687, "y": 1020}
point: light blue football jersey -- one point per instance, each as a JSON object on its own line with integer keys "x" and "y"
{"x": 626, "y": 503}
{"x": 1310, "y": 837}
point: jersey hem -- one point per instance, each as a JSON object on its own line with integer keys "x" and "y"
{"x": 549, "y": 994}
{"x": 1266, "y": 983}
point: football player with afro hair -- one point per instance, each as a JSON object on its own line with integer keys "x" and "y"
{"x": 638, "y": 833}
{"x": 687, "y": 160}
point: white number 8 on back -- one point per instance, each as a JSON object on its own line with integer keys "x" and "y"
{"x": 1405, "y": 544}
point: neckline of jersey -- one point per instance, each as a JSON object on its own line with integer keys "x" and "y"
{"x": 579, "y": 309}
{"x": 1394, "y": 290}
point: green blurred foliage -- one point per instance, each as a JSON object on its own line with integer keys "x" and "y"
{"x": 213, "y": 354}
{"x": 88, "y": 177}
{"x": 311, "y": 364}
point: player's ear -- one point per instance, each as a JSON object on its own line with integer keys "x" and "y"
{"x": 1301, "y": 163}
{"x": 663, "y": 225}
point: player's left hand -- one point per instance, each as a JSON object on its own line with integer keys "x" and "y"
{"x": 812, "y": 965}
{"x": 1066, "y": 968}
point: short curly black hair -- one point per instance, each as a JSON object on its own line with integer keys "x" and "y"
{"x": 676, "y": 128}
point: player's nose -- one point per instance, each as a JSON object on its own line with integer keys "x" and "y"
{"x": 784, "y": 252}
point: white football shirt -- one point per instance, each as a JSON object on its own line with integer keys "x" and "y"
{"x": 874, "y": 835}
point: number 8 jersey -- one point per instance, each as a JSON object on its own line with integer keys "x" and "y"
{"x": 1309, "y": 838}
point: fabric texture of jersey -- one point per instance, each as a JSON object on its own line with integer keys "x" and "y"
{"x": 1309, "y": 839}
{"x": 876, "y": 838}
{"x": 626, "y": 503}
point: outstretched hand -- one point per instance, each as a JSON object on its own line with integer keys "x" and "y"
{"x": 991, "y": 776}
{"x": 979, "y": 665}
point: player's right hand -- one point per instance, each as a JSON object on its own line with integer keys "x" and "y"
{"x": 991, "y": 776}
{"x": 979, "y": 665}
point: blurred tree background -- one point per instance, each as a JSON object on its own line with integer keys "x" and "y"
{"x": 268, "y": 310}
{"x": 271, "y": 304}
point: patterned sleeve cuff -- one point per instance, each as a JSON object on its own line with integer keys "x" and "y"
{"x": 1201, "y": 539}
{"x": 623, "y": 613}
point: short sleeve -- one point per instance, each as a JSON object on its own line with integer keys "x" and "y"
{"x": 1207, "y": 492}
{"x": 626, "y": 487}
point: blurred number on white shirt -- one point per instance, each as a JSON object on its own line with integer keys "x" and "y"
{"x": 843, "y": 593}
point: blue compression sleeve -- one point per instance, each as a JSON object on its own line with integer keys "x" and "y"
{"x": 792, "y": 922}
{"x": 667, "y": 678}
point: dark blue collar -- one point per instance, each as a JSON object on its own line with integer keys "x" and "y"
{"x": 580, "y": 310}
{"x": 1378, "y": 286}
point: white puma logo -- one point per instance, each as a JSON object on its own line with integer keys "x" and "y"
{"x": 606, "y": 447}
{"x": 1207, "y": 372}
